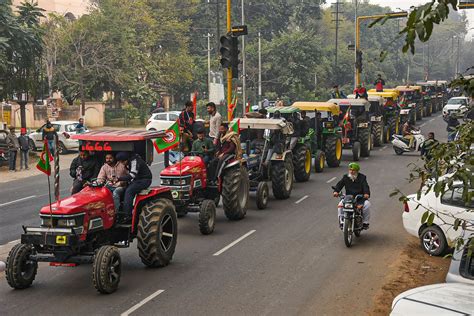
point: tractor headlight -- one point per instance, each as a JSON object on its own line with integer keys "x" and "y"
{"x": 46, "y": 221}
{"x": 328, "y": 125}
{"x": 180, "y": 181}
{"x": 165, "y": 181}
{"x": 67, "y": 222}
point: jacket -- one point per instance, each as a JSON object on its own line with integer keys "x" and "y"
{"x": 358, "y": 186}
{"x": 110, "y": 173}
{"x": 138, "y": 170}
{"x": 49, "y": 133}
{"x": 84, "y": 169}
{"x": 199, "y": 144}
{"x": 186, "y": 120}
{"x": 226, "y": 147}
{"x": 24, "y": 141}
{"x": 12, "y": 142}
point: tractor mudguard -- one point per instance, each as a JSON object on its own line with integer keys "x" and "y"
{"x": 280, "y": 157}
{"x": 144, "y": 195}
{"x": 226, "y": 165}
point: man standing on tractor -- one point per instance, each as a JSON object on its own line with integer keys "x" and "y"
{"x": 379, "y": 83}
{"x": 297, "y": 129}
{"x": 215, "y": 120}
{"x": 204, "y": 146}
{"x": 83, "y": 169}
{"x": 139, "y": 178}
{"x": 109, "y": 174}
{"x": 336, "y": 94}
{"x": 186, "y": 118}
{"x": 355, "y": 184}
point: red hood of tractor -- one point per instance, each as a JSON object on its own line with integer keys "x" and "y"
{"x": 188, "y": 166}
{"x": 86, "y": 200}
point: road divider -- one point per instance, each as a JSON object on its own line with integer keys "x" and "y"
{"x": 235, "y": 242}
{"x": 331, "y": 180}
{"x": 141, "y": 303}
{"x": 301, "y": 200}
{"x": 19, "y": 200}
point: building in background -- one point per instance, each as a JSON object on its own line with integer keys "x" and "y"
{"x": 69, "y": 8}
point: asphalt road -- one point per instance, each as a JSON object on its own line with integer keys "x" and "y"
{"x": 291, "y": 258}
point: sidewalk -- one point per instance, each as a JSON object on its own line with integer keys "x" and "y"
{"x": 5, "y": 176}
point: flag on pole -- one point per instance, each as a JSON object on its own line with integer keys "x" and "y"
{"x": 170, "y": 141}
{"x": 232, "y": 107}
{"x": 43, "y": 164}
{"x": 195, "y": 103}
{"x": 346, "y": 120}
{"x": 235, "y": 126}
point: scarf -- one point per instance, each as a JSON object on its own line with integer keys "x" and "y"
{"x": 233, "y": 137}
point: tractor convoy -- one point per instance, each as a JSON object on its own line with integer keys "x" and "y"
{"x": 278, "y": 149}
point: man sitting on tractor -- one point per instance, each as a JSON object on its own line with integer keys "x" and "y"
{"x": 83, "y": 169}
{"x": 297, "y": 130}
{"x": 229, "y": 144}
{"x": 204, "y": 146}
{"x": 139, "y": 178}
{"x": 109, "y": 174}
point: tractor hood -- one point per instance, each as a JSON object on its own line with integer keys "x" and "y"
{"x": 86, "y": 200}
{"x": 188, "y": 166}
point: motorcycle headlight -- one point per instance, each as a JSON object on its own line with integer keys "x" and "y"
{"x": 348, "y": 205}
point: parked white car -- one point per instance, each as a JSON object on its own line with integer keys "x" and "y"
{"x": 64, "y": 129}
{"x": 436, "y": 299}
{"x": 461, "y": 269}
{"x": 458, "y": 105}
{"x": 162, "y": 121}
{"x": 437, "y": 238}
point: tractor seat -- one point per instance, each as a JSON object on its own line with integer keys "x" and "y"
{"x": 144, "y": 192}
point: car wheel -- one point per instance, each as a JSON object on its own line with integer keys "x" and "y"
{"x": 433, "y": 241}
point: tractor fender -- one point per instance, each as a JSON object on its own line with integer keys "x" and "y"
{"x": 146, "y": 195}
{"x": 280, "y": 157}
{"x": 226, "y": 164}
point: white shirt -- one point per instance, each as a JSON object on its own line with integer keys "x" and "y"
{"x": 214, "y": 122}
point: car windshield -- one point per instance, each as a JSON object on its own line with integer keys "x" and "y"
{"x": 457, "y": 101}
{"x": 70, "y": 127}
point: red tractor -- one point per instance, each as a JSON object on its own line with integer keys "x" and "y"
{"x": 193, "y": 192}
{"x": 83, "y": 228}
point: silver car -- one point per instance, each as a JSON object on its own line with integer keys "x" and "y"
{"x": 64, "y": 129}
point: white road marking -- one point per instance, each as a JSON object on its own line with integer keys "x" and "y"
{"x": 301, "y": 200}
{"x": 422, "y": 124}
{"x": 331, "y": 180}
{"x": 14, "y": 241}
{"x": 431, "y": 120}
{"x": 19, "y": 200}
{"x": 235, "y": 242}
{"x": 143, "y": 302}
{"x": 366, "y": 158}
{"x": 157, "y": 163}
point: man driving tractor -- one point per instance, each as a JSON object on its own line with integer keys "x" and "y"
{"x": 355, "y": 184}
{"x": 204, "y": 146}
{"x": 109, "y": 175}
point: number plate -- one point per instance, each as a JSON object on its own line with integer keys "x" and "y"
{"x": 61, "y": 240}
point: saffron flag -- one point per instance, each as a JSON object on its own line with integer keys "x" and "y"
{"x": 195, "y": 103}
{"x": 232, "y": 107}
{"x": 235, "y": 126}
{"x": 43, "y": 164}
{"x": 170, "y": 141}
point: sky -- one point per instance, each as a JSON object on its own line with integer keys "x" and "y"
{"x": 406, "y": 4}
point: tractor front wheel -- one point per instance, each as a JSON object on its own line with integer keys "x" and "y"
{"x": 378, "y": 132}
{"x": 319, "y": 161}
{"x": 282, "y": 178}
{"x": 365, "y": 139}
{"x": 262, "y": 195}
{"x": 107, "y": 269}
{"x": 20, "y": 269}
{"x": 207, "y": 217}
{"x": 157, "y": 233}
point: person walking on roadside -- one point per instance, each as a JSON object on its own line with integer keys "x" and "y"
{"x": 81, "y": 128}
{"x": 49, "y": 133}
{"x": 337, "y": 94}
{"x": 13, "y": 147}
{"x": 24, "y": 142}
{"x": 379, "y": 83}
{"x": 215, "y": 120}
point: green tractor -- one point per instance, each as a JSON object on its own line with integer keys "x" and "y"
{"x": 300, "y": 147}
{"x": 391, "y": 113}
{"x": 324, "y": 134}
{"x": 380, "y": 129}
{"x": 356, "y": 126}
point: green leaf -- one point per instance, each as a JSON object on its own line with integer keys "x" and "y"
{"x": 424, "y": 217}
{"x": 430, "y": 219}
{"x": 456, "y": 223}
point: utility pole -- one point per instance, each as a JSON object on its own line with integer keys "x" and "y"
{"x": 208, "y": 64}
{"x": 356, "y": 3}
{"x": 259, "y": 71}
{"x": 218, "y": 24}
{"x": 458, "y": 55}
{"x": 336, "y": 19}
{"x": 244, "y": 74}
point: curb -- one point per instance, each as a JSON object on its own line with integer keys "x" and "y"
{"x": 2, "y": 266}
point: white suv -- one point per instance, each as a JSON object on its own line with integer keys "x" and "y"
{"x": 162, "y": 121}
{"x": 64, "y": 129}
{"x": 458, "y": 105}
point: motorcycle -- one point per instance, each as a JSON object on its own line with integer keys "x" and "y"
{"x": 401, "y": 144}
{"x": 352, "y": 216}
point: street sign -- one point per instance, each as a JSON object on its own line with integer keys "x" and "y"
{"x": 239, "y": 30}
{"x": 351, "y": 47}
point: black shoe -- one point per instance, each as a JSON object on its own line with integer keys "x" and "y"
{"x": 341, "y": 226}
{"x": 365, "y": 226}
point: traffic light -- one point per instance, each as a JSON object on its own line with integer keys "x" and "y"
{"x": 230, "y": 54}
{"x": 359, "y": 60}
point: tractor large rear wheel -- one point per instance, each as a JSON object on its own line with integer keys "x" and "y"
{"x": 377, "y": 131}
{"x": 365, "y": 142}
{"x": 302, "y": 163}
{"x": 282, "y": 178}
{"x": 235, "y": 192}
{"x": 157, "y": 233}
{"x": 20, "y": 270}
{"x": 333, "y": 150}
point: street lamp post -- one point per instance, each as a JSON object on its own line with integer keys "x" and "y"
{"x": 22, "y": 101}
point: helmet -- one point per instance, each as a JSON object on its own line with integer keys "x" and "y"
{"x": 355, "y": 166}
{"x": 122, "y": 156}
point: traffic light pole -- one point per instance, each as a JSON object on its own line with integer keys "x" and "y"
{"x": 359, "y": 19}
{"x": 229, "y": 70}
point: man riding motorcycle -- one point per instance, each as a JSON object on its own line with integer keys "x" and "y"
{"x": 355, "y": 184}
{"x": 407, "y": 129}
